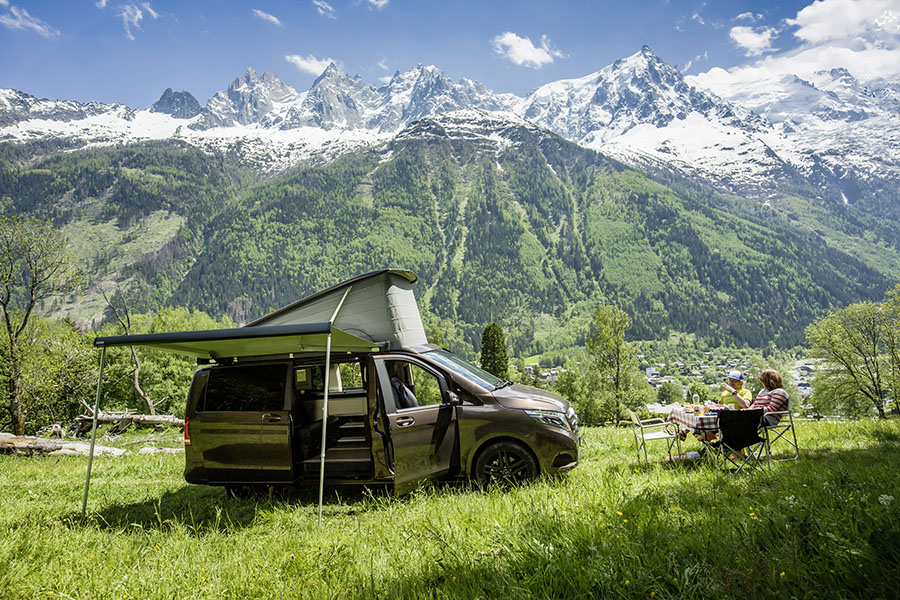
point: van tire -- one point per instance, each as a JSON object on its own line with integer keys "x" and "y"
{"x": 504, "y": 464}
{"x": 241, "y": 492}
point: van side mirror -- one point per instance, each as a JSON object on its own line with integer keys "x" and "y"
{"x": 454, "y": 399}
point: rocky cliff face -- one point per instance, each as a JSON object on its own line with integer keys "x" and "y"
{"x": 181, "y": 105}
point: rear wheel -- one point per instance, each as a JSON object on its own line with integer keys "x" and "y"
{"x": 241, "y": 492}
{"x": 505, "y": 464}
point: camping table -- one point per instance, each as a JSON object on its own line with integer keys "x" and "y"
{"x": 703, "y": 425}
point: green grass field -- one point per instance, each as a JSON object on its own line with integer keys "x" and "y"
{"x": 826, "y": 526}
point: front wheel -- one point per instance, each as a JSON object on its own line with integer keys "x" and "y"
{"x": 504, "y": 464}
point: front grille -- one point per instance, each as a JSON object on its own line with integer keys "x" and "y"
{"x": 572, "y": 418}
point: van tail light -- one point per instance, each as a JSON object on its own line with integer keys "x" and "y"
{"x": 187, "y": 432}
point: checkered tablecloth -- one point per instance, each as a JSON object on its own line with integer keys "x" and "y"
{"x": 705, "y": 423}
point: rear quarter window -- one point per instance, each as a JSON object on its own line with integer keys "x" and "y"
{"x": 250, "y": 388}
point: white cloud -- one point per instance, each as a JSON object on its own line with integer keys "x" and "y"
{"x": 150, "y": 10}
{"x": 830, "y": 20}
{"x": 862, "y": 36}
{"x": 100, "y": 4}
{"x": 309, "y": 64}
{"x": 385, "y": 78}
{"x": 324, "y": 9}
{"x": 131, "y": 17}
{"x": 754, "y": 41}
{"x": 521, "y": 51}
{"x": 4, "y": 2}
{"x": 266, "y": 17}
{"x": 378, "y": 4}
{"x": 748, "y": 16}
{"x": 690, "y": 63}
{"x": 18, "y": 18}
{"x": 382, "y": 64}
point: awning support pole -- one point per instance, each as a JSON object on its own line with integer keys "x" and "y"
{"x": 325, "y": 402}
{"x": 87, "y": 481}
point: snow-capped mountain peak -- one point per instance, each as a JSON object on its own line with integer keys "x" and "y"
{"x": 743, "y": 132}
{"x": 247, "y": 100}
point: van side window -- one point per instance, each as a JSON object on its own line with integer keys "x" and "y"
{"x": 412, "y": 385}
{"x": 250, "y": 388}
{"x": 352, "y": 375}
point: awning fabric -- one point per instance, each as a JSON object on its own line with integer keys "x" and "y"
{"x": 240, "y": 342}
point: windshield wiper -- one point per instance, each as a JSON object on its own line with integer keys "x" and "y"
{"x": 503, "y": 384}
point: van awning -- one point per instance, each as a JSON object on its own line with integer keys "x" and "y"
{"x": 246, "y": 341}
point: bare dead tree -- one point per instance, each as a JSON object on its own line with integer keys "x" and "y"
{"x": 124, "y": 319}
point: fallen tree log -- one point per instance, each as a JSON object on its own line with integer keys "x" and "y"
{"x": 27, "y": 445}
{"x": 123, "y": 420}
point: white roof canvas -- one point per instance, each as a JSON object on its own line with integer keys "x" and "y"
{"x": 380, "y": 307}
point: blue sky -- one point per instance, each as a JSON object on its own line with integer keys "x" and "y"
{"x": 130, "y": 51}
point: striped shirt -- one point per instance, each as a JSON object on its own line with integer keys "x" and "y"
{"x": 772, "y": 401}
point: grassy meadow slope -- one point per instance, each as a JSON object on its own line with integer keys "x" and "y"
{"x": 826, "y": 526}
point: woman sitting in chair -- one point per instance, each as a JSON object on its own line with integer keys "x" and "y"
{"x": 773, "y": 398}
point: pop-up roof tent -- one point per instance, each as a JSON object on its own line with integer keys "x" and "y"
{"x": 380, "y": 307}
{"x": 358, "y": 315}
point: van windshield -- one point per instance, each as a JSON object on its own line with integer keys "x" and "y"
{"x": 472, "y": 373}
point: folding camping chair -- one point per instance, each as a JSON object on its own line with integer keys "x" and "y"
{"x": 653, "y": 429}
{"x": 740, "y": 444}
{"x": 779, "y": 431}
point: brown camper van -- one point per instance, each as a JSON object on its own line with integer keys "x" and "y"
{"x": 354, "y": 360}
{"x": 395, "y": 416}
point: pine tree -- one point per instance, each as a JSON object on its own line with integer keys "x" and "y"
{"x": 494, "y": 358}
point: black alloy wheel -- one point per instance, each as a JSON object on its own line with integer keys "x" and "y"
{"x": 505, "y": 464}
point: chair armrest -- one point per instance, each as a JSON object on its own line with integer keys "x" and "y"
{"x": 780, "y": 423}
{"x": 654, "y": 425}
{"x": 651, "y": 421}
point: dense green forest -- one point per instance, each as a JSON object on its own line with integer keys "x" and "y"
{"x": 532, "y": 236}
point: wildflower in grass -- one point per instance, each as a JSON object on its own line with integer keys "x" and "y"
{"x": 781, "y": 574}
{"x": 618, "y": 512}
{"x": 624, "y": 520}
{"x": 885, "y": 499}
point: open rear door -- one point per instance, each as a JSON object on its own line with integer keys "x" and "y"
{"x": 422, "y": 422}
{"x": 242, "y": 426}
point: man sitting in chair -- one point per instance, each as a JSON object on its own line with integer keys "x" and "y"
{"x": 735, "y": 389}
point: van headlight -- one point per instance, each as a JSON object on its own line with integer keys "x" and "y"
{"x": 549, "y": 417}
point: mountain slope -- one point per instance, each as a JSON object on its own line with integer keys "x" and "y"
{"x": 501, "y": 220}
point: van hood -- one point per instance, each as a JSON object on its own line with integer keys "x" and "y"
{"x": 525, "y": 397}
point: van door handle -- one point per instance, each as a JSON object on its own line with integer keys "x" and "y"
{"x": 405, "y": 421}
{"x": 271, "y": 418}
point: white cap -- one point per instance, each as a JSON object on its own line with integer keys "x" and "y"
{"x": 736, "y": 375}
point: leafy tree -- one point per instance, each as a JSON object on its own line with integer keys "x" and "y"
{"x": 612, "y": 356}
{"x": 702, "y": 390}
{"x": 60, "y": 373}
{"x": 892, "y": 341}
{"x": 494, "y": 357}
{"x": 670, "y": 392}
{"x": 853, "y": 341}
{"x": 35, "y": 265}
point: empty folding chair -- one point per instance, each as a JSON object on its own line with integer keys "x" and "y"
{"x": 740, "y": 444}
{"x": 779, "y": 431}
{"x": 653, "y": 429}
